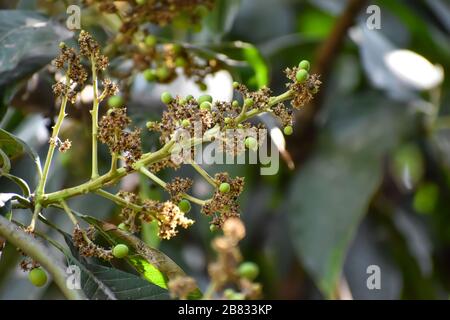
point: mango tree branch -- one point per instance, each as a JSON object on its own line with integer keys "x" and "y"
{"x": 40, "y": 253}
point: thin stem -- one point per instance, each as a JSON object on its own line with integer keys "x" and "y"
{"x": 53, "y": 140}
{"x": 36, "y": 211}
{"x": 203, "y": 173}
{"x": 118, "y": 200}
{"x": 153, "y": 177}
{"x": 114, "y": 159}
{"x": 108, "y": 178}
{"x": 164, "y": 184}
{"x": 69, "y": 212}
{"x": 273, "y": 101}
{"x": 94, "y": 114}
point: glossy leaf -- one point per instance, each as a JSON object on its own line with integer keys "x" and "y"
{"x": 28, "y": 41}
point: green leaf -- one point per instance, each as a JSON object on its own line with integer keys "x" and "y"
{"x": 252, "y": 70}
{"x": 21, "y": 183}
{"x": 331, "y": 193}
{"x": 221, "y": 19}
{"x": 100, "y": 282}
{"x": 13, "y": 147}
{"x": 151, "y": 263}
{"x": 28, "y": 41}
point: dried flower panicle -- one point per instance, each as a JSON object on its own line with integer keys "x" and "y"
{"x": 181, "y": 286}
{"x": 168, "y": 215}
{"x": 76, "y": 75}
{"x": 90, "y": 49}
{"x": 109, "y": 89}
{"x": 303, "y": 92}
{"x": 224, "y": 206}
{"x": 28, "y": 264}
{"x": 83, "y": 241}
{"x": 64, "y": 146}
{"x": 178, "y": 186}
{"x": 178, "y": 110}
{"x": 112, "y": 132}
{"x": 161, "y": 59}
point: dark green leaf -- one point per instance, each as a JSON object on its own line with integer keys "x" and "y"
{"x": 28, "y": 41}
{"x": 12, "y": 146}
{"x": 332, "y": 191}
{"x": 100, "y": 282}
{"x": 220, "y": 21}
{"x": 151, "y": 263}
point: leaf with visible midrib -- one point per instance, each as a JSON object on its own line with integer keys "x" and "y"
{"x": 151, "y": 263}
{"x": 104, "y": 283}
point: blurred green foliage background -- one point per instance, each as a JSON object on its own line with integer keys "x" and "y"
{"x": 371, "y": 184}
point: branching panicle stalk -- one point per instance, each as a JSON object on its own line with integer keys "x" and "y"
{"x": 94, "y": 115}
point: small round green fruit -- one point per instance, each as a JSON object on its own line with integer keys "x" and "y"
{"x": 115, "y": 102}
{"x": 206, "y": 106}
{"x": 185, "y": 123}
{"x": 205, "y": 98}
{"x": 224, "y": 187}
{"x": 120, "y": 251}
{"x": 305, "y": 65}
{"x": 166, "y": 97}
{"x": 302, "y": 75}
{"x": 251, "y": 143}
{"x": 184, "y": 205}
{"x": 288, "y": 130}
{"x": 150, "y": 40}
{"x": 248, "y": 270}
{"x": 37, "y": 277}
{"x": 150, "y": 75}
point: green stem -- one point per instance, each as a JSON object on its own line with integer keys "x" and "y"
{"x": 204, "y": 174}
{"x": 118, "y": 200}
{"x": 163, "y": 184}
{"x": 94, "y": 114}
{"x": 53, "y": 140}
{"x": 147, "y": 159}
{"x": 69, "y": 212}
{"x": 153, "y": 177}
{"x": 108, "y": 178}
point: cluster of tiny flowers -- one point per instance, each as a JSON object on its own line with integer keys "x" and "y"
{"x": 304, "y": 90}
{"x": 181, "y": 286}
{"x": 159, "y": 61}
{"x": 83, "y": 241}
{"x": 224, "y": 271}
{"x": 90, "y": 49}
{"x": 112, "y": 132}
{"x": 178, "y": 187}
{"x": 182, "y": 113}
{"x": 168, "y": 215}
{"x": 28, "y": 264}
{"x": 223, "y": 205}
{"x": 160, "y": 12}
{"x": 69, "y": 61}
